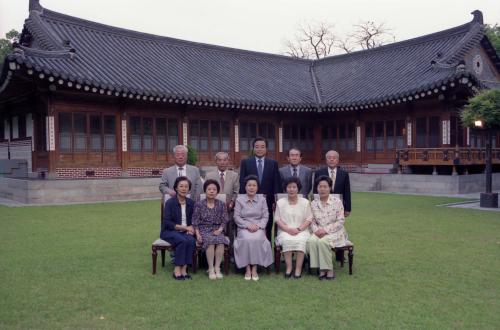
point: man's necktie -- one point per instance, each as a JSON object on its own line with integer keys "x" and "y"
{"x": 222, "y": 180}
{"x": 333, "y": 177}
{"x": 259, "y": 169}
{"x": 294, "y": 172}
{"x": 180, "y": 171}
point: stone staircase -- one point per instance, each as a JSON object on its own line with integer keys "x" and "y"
{"x": 13, "y": 168}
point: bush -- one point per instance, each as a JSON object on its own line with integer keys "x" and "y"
{"x": 192, "y": 156}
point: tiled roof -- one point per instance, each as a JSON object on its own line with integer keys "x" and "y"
{"x": 99, "y": 58}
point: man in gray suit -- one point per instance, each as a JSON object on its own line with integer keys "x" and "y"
{"x": 294, "y": 168}
{"x": 229, "y": 184}
{"x": 227, "y": 179}
{"x": 181, "y": 168}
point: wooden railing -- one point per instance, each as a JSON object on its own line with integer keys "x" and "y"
{"x": 445, "y": 156}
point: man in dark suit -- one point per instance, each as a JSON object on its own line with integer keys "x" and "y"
{"x": 295, "y": 169}
{"x": 340, "y": 179}
{"x": 266, "y": 170}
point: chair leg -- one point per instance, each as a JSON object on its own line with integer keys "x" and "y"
{"x": 154, "y": 254}
{"x": 340, "y": 255}
{"x": 195, "y": 261}
{"x": 351, "y": 257}
{"x": 163, "y": 258}
{"x": 277, "y": 259}
{"x": 226, "y": 261}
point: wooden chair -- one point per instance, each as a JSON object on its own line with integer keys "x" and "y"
{"x": 340, "y": 251}
{"x": 222, "y": 198}
{"x": 162, "y": 246}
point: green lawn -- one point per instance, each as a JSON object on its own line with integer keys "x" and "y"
{"x": 89, "y": 266}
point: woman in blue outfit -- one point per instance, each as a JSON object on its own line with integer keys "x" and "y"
{"x": 176, "y": 227}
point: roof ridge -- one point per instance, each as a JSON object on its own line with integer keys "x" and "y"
{"x": 36, "y": 26}
{"x": 315, "y": 84}
{"x": 405, "y": 43}
{"x": 149, "y": 37}
{"x": 472, "y": 37}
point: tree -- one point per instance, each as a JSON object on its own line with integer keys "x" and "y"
{"x": 484, "y": 106}
{"x": 6, "y": 43}
{"x": 318, "y": 40}
{"x": 493, "y": 33}
{"x": 312, "y": 41}
{"x": 369, "y": 35}
{"x": 482, "y": 111}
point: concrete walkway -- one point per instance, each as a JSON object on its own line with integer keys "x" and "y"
{"x": 471, "y": 202}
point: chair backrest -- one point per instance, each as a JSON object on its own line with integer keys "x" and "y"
{"x": 282, "y": 195}
{"x": 221, "y": 197}
{"x": 164, "y": 199}
{"x": 339, "y": 196}
{"x": 263, "y": 195}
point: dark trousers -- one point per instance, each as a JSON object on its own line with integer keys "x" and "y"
{"x": 183, "y": 244}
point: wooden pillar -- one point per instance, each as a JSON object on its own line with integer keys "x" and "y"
{"x": 51, "y": 127}
{"x": 124, "y": 153}
{"x": 318, "y": 152}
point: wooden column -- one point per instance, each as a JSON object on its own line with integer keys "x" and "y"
{"x": 51, "y": 127}
{"x": 124, "y": 153}
{"x": 318, "y": 153}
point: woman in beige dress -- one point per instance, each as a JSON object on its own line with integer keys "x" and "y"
{"x": 328, "y": 229}
{"x": 293, "y": 217}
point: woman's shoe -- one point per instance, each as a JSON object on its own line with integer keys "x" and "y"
{"x": 178, "y": 278}
{"x": 330, "y": 278}
{"x": 288, "y": 275}
{"x": 248, "y": 277}
{"x": 218, "y": 274}
{"x": 322, "y": 277}
{"x": 187, "y": 277}
{"x": 211, "y": 274}
{"x": 297, "y": 276}
{"x": 255, "y": 277}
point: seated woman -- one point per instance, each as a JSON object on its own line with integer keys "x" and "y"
{"x": 293, "y": 217}
{"x": 251, "y": 247}
{"x": 176, "y": 227}
{"x": 209, "y": 222}
{"x": 327, "y": 227}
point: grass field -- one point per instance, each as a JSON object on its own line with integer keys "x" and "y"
{"x": 89, "y": 266}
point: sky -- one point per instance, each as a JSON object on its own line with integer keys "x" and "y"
{"x": 259, "y": 25}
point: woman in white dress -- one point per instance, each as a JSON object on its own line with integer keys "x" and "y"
{"x": 293, "y": 216}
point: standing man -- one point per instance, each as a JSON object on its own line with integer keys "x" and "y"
{"x": 227, "y": 179}
{"x": 181, "y": 168}
{"x": 340, "y": 179}
{"x": 267, "y": 171}
{"x": 229, "y": 185}
{"x": 294, "y": 169}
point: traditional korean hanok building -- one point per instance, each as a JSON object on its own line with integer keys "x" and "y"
{"x": 79, "y": 99}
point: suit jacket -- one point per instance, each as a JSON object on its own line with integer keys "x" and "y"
{"x": 172, "y": 214}
{"x": 342, "y": 185}
{"x": 271, "y": 181}
{"x": 305, "y": 177}
{"x": 231, "y": 183}
{"x": 170, "y": 174}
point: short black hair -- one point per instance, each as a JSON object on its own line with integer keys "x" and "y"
{"x": 209, "y": 182}
{"x": 292, "y": 179}
{"x": 323, "y": 178}
{"x": 294, "y": 148}
{"x": 257, "y": 139}
{"x": 250, "y": 178}
{"x": 179, "y": 179}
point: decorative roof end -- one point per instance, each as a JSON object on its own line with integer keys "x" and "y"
{"x": 35, "y": 5}
{"x": 478, "y": 17}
